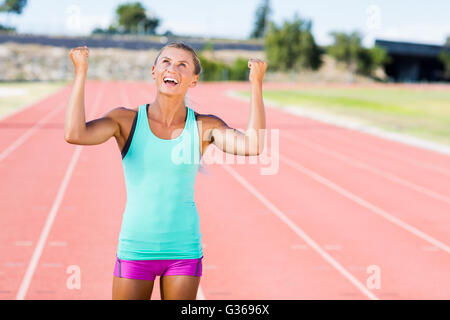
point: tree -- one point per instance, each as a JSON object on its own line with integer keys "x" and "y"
{"x": 262, "y": 19}
{"x": 11, "y": 6}
{"x": 444, "y": 57}
{"x": 292, "y": 46}
{"x": 132, "y": 18}
{"x": 111, "y": 30}
{"x": 347, "y": 48}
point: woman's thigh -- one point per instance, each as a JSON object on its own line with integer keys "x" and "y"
{"x": 131, "y": 289}
{"x": 179, "y": 287}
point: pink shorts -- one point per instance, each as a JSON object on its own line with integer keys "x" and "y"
{"x": 149, "y": 269}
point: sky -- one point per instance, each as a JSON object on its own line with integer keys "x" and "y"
{"x": 399, "y": 20}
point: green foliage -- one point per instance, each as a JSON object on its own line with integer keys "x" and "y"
{"x": 111, "y": 30}
{"x": 211, "y": 70}
{"x": 292, "y": 46}
{"x": 380, "y": 56}
{"x": 444, "y": 57}
{"x": 208, "y": 46}
{"x": 13, "y": 6}
{"x": 347, "y": 48}
{"x": 261, "y": 20}
{"x": 219, "y": 71}
{"x": 239, "y": 71}
{"x": 6, "y": 28}
{"x": 132, "y": 18}
{"x": 364, "y": 62}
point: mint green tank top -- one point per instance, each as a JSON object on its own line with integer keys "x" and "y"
{"x": 160, "y": 220}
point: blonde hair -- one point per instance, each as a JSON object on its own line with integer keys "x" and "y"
{"x": 186, "y": 47}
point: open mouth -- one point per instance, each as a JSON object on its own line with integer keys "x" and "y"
{"x": 170, "y": 82}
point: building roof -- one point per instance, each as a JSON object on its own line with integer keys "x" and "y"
{"x": 411, "y": 49}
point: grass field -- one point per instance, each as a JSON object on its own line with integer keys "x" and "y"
{"x": 15, "y": 95}
{"x": 423, "y": 113}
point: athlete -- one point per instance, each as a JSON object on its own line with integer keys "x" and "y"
{"x": 162, "y": 144}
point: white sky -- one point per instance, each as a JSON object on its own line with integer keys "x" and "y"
{"x": 401, "y": 20}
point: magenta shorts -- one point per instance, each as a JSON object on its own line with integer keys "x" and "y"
{"x": 149, "y": 269}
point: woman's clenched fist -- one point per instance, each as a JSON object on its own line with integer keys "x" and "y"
{"x": 79, "y": 58}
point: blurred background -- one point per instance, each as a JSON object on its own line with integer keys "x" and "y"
{"x": 321, "y": 42}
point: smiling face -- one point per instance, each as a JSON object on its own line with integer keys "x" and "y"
{"x": 178, "y": 65}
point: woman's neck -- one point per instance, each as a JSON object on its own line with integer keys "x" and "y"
{"x": 168, "y": 109}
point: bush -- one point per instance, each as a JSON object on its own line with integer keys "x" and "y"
{"x": 219, "y": 71}
{"x": 239, "y": 71}
{"x": 444, "y": 58}
{"x": 347, "y": 48}
{"x": 6, "y": 29}
{"x": 211, "y": 70}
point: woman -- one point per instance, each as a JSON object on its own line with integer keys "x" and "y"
{"x": 161, "y": 145}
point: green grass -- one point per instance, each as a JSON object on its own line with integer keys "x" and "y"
{"x": 34, "y": 91}
{"x": 424, "y": 113}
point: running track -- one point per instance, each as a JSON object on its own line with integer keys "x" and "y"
{"x": 341, "y": 201}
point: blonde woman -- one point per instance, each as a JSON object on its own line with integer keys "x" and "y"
{"x": 161, "y": 144}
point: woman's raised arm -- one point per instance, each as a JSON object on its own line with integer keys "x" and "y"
{"x": 76, "y": 130}
{"x": 250, "y": 142}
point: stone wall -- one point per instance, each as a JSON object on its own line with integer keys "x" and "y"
{"x": 40, "y": 63}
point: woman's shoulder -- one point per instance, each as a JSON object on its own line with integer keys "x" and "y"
{"x": 124, "y": 117}
{"x": 209, "y": 120}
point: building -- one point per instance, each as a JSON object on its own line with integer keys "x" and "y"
{"x": 413, "y": 62}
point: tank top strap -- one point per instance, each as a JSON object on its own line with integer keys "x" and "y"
{"x": 189, "y": 118}
{"x": 141, "y": 115}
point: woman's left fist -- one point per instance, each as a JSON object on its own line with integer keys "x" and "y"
{"x": 257, "y": 69}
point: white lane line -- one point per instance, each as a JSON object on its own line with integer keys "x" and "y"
{"x": 20, "y": 140}
{"x": 24, "y": 285}
{"x": 365, "y": 204}
{"x": 23, "y": 243}
{"x": 430, "y": 248}
{"x": 379, "y": 172}
{"x": 301, "y": 233}
{"x": 299, "y": 247}
{"x": 379, "y": 150}
{"x": 57, "y": 243}
{"x": 332, "y": 247}
{"x": 48, "y": 224}
{"x": 52, "y": 265}
{"x": 13, "y": 264}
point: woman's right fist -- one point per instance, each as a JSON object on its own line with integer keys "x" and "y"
{"x": 79, "y": 58}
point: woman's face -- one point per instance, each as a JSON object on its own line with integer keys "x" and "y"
{"x": 176, "y": 64}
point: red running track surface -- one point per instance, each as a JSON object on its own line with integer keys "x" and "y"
{"x": 339, "y": 205}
